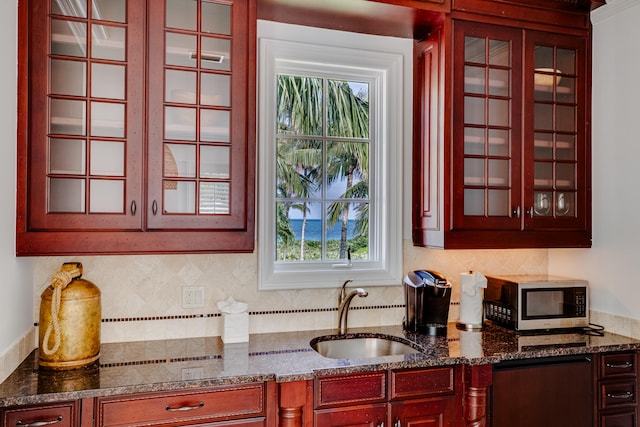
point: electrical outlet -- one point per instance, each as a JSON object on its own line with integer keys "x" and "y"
{"x": 192, "y": 296}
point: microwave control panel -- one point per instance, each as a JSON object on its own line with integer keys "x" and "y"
{"x": 499, "y": 313}
{"x": 581, "y": 302}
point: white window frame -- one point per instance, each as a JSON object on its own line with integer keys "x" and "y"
{"x": 296, "y": 50}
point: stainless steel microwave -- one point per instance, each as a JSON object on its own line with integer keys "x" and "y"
{"x": 527, "y": 303}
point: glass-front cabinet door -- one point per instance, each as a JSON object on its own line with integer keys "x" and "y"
{"x": 86, "y": 128}
{"x": 486, "y": 127}
{"x": 197, "y": 115}
{"x": 555, "y": 146}
{"x": 520, "y": 150}
{"x": 136, "y": 126}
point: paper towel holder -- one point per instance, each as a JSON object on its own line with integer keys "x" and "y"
{"x": 472, "y": 326}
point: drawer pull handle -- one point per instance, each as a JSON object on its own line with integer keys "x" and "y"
{"x": 40, "y": 423}
{"x": 624, "y": 365}
{"x": 625, "y": 395}
{"x": 184, "y": 408}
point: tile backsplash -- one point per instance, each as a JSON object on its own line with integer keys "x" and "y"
{"x": 142, "y": 294}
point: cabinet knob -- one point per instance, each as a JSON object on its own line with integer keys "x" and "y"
{"x": 154, "y": 207}
{"x": 40, "y": 423}
{"x": 516, "y": 212}
{"x": 134, "y": 207}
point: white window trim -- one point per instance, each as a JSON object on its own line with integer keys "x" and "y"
{"x": 285, "y": 48}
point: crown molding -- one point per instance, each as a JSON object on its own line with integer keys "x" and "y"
{"x": 612, "y": 8}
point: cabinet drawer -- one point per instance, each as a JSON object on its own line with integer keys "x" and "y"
{"x": 617, "y": 365}
{"x": 413, "y": 383}
{"x": 623, "y": 419}
{"x": 213, "y": 404}
{"x": 618, "y": 393}
{"x": 55, "y": 415}
{"x": 352, "y": 389}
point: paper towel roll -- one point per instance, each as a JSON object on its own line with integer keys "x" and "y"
{"x": 471, "y": 298}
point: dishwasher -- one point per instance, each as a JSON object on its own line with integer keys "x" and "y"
{"x": 546, "y": 392}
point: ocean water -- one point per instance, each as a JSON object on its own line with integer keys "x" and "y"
{"x": 313, "y": 230}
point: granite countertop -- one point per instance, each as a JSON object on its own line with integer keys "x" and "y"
{"x": 202, "y": 362}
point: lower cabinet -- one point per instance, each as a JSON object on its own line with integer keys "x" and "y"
{"x": 240, "y": 405}
{"x": 617, "y": 389}
{"x": 398, "y": 398}
{"x": 62, "y": 414}
{"x": 550, "y": 392}
{"x": 438, "y": 412}
{"x": 360, "y": 416}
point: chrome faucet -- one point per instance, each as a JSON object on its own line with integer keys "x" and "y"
{"x": 344, "y": 301}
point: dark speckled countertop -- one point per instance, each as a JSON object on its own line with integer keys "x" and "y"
{"x": 202, "y": 362}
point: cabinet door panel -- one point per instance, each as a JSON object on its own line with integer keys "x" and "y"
{"x": 197, "y": 115}
{"x": 424, "y": 413}
{"x": 625, "y": 419}
{"x": 486, "y": 145}
{"x": 357, "y": 416}
{"x": 556, "y": 151}
{"x": 86, "y": 118}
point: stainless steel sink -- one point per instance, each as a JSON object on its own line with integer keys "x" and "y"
{"x": 337, "y": 347}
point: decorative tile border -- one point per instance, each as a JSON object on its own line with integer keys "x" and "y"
{"x": 197, "y": 358}
{"x": 251, "y": 313}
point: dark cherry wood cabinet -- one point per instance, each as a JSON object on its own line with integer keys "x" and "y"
{"x": 351, "y": 399}
{"x": 617, "y": 385}
{"x": 136, "y": 129}
{"x": 424, "y": 397}
{"x": 240, "y": 405}
{"x": 63, "y": 414}
{"x": 361, "y": 416}
{"x": 502, "y": 131}
{"x": 553, "y": 392}
{"x": 397, "y": 398}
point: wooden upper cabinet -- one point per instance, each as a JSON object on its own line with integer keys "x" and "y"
{"x": 503, "y": 160}
{"x": 136, "y": 129}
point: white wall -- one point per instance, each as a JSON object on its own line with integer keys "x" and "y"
{"x": 16, "y": 289}
{"x": 611, "y": 264}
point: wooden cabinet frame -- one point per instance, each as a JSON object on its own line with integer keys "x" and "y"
{"x": 129, "y": 232}
{"x": 438, "y": 218}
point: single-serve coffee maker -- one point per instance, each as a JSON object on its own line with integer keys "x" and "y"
{"x": 427, "y": 296}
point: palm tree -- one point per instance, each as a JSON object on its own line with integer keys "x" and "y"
{"x": 348, "y": 117}
{"x": 300, "y": 159}
{"x": 292, "y": 180}
{"x": 299, "y": 113}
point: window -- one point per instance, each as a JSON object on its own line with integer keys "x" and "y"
{"x": 330, "y": 149}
